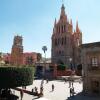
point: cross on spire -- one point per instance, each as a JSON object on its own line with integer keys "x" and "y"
{"x": 62, "y": 1}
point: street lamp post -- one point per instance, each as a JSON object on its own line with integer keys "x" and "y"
{"x": 70, "y": 60}
{"x": 71, "y": 76}
{"x": 44, "y": 48}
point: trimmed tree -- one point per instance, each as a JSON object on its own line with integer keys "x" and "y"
{"x": 61, "y": 67}
{"x": 11, "y": 77}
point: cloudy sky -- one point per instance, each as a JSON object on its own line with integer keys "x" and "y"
{"x": 34, "y": 20}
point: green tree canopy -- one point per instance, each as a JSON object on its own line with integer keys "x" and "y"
{"x": 11, "y": 77}
{"x": 61, "y": 67}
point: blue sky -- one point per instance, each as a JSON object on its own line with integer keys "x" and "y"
{"x": 34, "y": 20}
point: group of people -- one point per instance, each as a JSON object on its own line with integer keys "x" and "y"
{"x": 5, "y": 92}
{"x": 71, "y": 82}
{"x": 39, "y": 94}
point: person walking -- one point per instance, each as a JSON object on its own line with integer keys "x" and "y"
{"x": 47, "y": 80}
{"x": 70, "y": 92}
{"x": 32, "y": 90}
{"x": 72, "y": 84}
{"x": 42, "y": 82}
{"x": 41, "y": 91}
{"x": 21, "y": 94}
{"x": 73, "y": 92}
{"x": 69, "y": 83}
{"x": 35, "y": 88}
{"x": 65, "y": 80}
{"x": 53, "y": 87}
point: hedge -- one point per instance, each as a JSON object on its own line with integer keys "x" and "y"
{"x": 11, "y": 77}
{"x": 61, "y": 67}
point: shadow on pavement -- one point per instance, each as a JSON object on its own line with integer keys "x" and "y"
{"x": 35, "y": 98}
{"x": 81, "y": 96}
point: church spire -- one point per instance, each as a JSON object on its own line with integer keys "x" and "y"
{"x": 62, "y": 11}
{"x": 71, "y": 22}
{"x": 55, "y": 22}
{"x": 77, "y": 27}
{"x": 54, "y": 29}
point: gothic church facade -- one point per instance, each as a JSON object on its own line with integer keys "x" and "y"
{"x": 65, "y": 41}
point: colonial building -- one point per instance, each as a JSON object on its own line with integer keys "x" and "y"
{"x": 30, "y": 58}
{"x": 65, "y": 41}
{"x": 17, "y": 51}
{"x": 91, "y": 67}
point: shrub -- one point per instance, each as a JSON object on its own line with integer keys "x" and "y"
{"x": 61, "y": 67}
{"x": 11, "y": 77}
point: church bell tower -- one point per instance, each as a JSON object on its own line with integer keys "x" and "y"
{"x": 17, "y": 51}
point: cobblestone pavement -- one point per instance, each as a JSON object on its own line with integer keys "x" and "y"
{"x": 61, "y": 91}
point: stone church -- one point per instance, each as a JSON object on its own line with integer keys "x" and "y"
{"x": 66, "y": 41}
{"x": 17, "y": 51}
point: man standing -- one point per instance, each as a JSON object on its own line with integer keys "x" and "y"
{"x": 53, "y": 87}
{"x": 21, "y": 94}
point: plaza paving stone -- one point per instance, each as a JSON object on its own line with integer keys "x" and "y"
{"x": 61, "y": 91}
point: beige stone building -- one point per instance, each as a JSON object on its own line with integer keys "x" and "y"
{"x": 91, "y": 67}
{"x": 65, "y": 41}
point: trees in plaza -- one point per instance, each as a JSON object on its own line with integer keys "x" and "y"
{"x": 12, "y": 77}
{"x": 44, "y": 48}
{"x": 61, "y": 67}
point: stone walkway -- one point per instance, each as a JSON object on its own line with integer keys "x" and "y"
{"x": 61, "y": 91}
